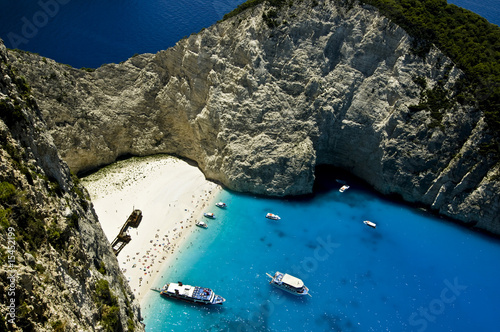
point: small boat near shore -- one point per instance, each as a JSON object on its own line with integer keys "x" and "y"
{"x": 272, "y": 216}
{"x": 209, "y": 215}
{"x": 344, "y": 188}
{"x": 370, "y": 223}
{"x": 201, "y": 224}
{"x": 289, "y": 283}
{"x": 194, "y": 294}
{"x": 221, "y": 205}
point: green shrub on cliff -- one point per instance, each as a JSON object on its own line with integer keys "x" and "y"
{"x": 253, "y": 3}
{"x": 468, "y": 39}
{"x": 242, "y": 7}
{"x": 11, "y": 112}
{"x": 4, "y": 218}
{"x": 7, "y": 192}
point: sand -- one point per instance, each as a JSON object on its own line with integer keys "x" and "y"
{"x": 171, "y": 194}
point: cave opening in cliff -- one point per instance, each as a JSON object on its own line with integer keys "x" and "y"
{"x": 329, "y": 177}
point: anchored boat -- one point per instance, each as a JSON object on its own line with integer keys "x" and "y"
{"x": 201, "y": 224}
{"x": 289, "y": 283}
{"x": 370, "y": 223}
{"x": 189, "y": 293}
{"x": 344, "y": 188}
{"x": 209, "y": 215}
{"x": 272, "y": 216}
{"x": 221, "y": 205}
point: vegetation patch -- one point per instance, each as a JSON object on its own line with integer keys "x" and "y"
{"x": 58, "y": 326}
{"x": 102, "y": 268}
{"x": 7, "y": 193}
{"x": 31, "y": 233}
{"x": 270, "y": 18}
{"x": 465, "y": 37}
{"x": 89, "y": 70}
{"x": 108, "y": 304}
{"x": 4, "y": 218}
{"x": 11, "y": 112}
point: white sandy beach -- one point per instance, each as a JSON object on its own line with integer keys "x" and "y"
{"x": 171, "y": 194}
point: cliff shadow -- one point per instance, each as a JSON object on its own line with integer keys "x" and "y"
{"x": 329, "y": 178}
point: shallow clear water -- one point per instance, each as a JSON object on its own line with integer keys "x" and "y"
{"x": 412, "y": 273}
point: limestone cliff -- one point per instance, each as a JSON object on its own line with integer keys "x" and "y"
{"x": 260, "y": 99}
{"x": 58, "y": 271}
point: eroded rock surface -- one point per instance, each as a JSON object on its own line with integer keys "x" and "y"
{"x": 58, "y": 271}
{"x": 259, "y": 107}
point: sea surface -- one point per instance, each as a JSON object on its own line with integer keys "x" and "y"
{"x": 89, "y": 33}
{"x": 489, "y": 9}
{"x": 413, "y": 272}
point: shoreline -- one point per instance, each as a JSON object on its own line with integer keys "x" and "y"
{"x": 172, "y": 195}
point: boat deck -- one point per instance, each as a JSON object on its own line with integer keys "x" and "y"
{"x": 201, "y": 293}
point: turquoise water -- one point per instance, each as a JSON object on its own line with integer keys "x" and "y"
{"x": 412, "y": 273}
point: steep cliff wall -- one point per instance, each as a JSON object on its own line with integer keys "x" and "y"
{"x": 57, "y": 271}
{"x": 260, "y": 99}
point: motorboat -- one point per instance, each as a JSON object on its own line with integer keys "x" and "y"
{"x": 201, "y": 224}
{"x": 370, "y": 223}
{"x": 221, "y": 205}
{"x": 272, "y": 216}
{"x": 344, "y": 188}
{"x": 288, "y": 283}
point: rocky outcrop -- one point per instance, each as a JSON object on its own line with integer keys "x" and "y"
{"x": 58, "y": 271}
{"x": 260, "y": 99}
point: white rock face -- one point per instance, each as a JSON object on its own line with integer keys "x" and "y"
{"x": 58, "y": 253}
{"x": 259, "y": 108}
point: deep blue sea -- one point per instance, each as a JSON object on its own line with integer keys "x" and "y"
{"x": 489, "y": 9}
{"x": 414, "y": 272}
{"x": 89, "y": 33}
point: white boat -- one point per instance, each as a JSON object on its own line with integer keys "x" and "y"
{"x": 369, "y": 223}
{"x": 191, "y": 293}
{"x": 201, "y": 224}
{"x": 289, "y": 283}
{"x": 209, "y": 215}
{"x": 344, "y": 188}
{"x": 221, "y": 205}
{"x": 272, "y": 216}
